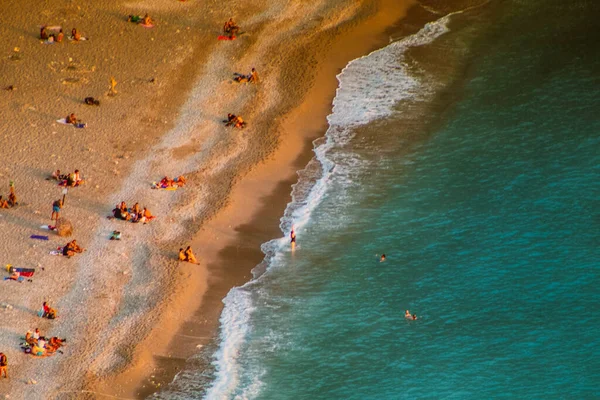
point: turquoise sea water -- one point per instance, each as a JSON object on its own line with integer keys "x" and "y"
{"x": 490, "y": 223}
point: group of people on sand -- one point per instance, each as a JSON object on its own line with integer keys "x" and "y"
{"x": 72, "y": 180}
{"x": 133, "y": 214}
{"x": 38, "y": 345}
{"x": 12, "y": 198}
{"x": 235, "y": 120}
{"x": 56, "y": 34}
{"x": 167, "y": 182}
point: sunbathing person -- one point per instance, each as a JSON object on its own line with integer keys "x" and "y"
{"x": 230, "y": 28}
{"x": 3, "y": 203}
{"x": 56, "y": 175}
{"x": 136, "y": 213}
{"x": 12, "y": 197}
{"x": 180, "y": 181}
{"x": 234, "y": 120}
{"x": 146, "y": 216}
{"x": 56, "y": 341}
{"x": 77, "y": 178}
{"x": 72, "y": 248}
{"x": 121, "y": 212}
{"x": 239, "y": 123}
{"x": 189, "y": 255}
{"x": 76, "y": 35}
{"x": 134, "y": 18}
{"x": 166, "y": 182}
{"x": 253, "y": 77}
{"x": 147, "y": 20}
{"x": 38, "y": 351}
{"x": 48, "y": 312}
{"x": 30, "y": 339}
{"x": 182, "y": 256}
{"x": 71, "y": 119}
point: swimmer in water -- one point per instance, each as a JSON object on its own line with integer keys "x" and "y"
{"x": 414, "y": 316}
{"x": 407, "y": 314}
{"x": 293, "y": 237}
{"x": 382, "y": 259}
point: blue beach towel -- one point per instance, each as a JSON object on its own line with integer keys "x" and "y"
{"x": 40, "y": 237}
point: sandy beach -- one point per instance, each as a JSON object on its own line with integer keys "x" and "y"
{"x": 128, "y": 309}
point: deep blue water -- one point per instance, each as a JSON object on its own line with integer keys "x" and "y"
{"x": 491, "y": 227}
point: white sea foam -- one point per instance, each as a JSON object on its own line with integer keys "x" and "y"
{"x": 369, "y": 88}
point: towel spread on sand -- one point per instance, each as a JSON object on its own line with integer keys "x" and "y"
{"x": 40, "y": 237}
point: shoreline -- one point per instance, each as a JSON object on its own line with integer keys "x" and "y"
{"x": 241, "y": 223}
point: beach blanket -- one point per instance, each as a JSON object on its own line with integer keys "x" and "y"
{"x": 223, "y": 37}
{"x": 63, "y": 121}
{"x": 80, "y": 39}
{"x": 26, "y": 272}
{"x": 48, "y": 227}
{"x": 147, "y": 25}
{"x": 40, "y": 237}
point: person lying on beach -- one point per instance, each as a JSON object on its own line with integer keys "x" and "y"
{"x": 90, "y": 101}
{"x": 71, "y": 119}
{"x": 235, "y": 121}
{"x": 57, "y": 342}
{"x": 230, "y": 28}
{"x": 72, "y": 248}
{"x": 166, "y": 182}
{"x": 134, "y": 18}
{"x": 48, "y": 312}
{"x": 115, "y": 235}
{"x": 75, "y": 35}
{"x": 252, "y": 77}
{"x": 136, "y": 213}
{"x": 3, "y": 203}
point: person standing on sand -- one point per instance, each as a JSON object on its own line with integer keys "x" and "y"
{"x": 56, "y": 206}
{"x": 3, "y": 365}
{"x": 293, "y": 238}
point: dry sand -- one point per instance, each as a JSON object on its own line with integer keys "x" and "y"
{"x": 123, "y": 305}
